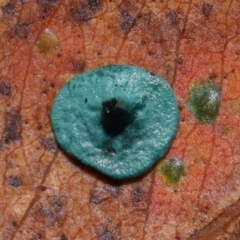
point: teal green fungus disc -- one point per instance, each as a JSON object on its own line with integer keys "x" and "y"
{"x": 117, "y": 119}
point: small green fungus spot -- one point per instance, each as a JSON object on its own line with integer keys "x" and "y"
{"x": 204, "y": 101}
{"x": 172, "y": 169}
{"x": 48, "y": 42}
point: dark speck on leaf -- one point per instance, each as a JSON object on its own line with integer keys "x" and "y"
{"x": 21, "y": 30}
{"x": 14, "y": 223}
{"x": 14, "y": 181}
{"x": 179, "y": 60}
{"x": 5, "y": 88}
{"x": 43, "y": 188}
{"x": 206, "y": 9}
{"x": 63, "y": 237}
{"x": 127, "y": 22}
{"x": 213, "y": 75}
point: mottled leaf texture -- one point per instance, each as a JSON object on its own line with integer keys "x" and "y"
{"x": 45, "y": 194}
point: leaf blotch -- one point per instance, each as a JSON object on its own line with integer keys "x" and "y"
{"x": 9, "y": 9}
{"x": 85, "y": 11}
{"x": 106, "y": 235}
{"x": 139, "y": 197}
{"x": 14, "y": 181}
{"x": 51, "y": 210}
{"x": 5, "y": 88}
{"x": 12, "y": 131}
{"x": 173, "y": 17}
{"x": 21, "y": 30}
{"x": 48, "y": 143}
{"x": 127, "y": 21}
{"x": 78, "y": 66}
{"x": 50, "y": 3}
{"x": 206, "y": 9}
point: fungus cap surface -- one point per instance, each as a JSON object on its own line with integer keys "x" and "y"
{"x": 117, "y": 119}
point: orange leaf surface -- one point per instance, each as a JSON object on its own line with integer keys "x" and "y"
{"x": 46, "y": 194}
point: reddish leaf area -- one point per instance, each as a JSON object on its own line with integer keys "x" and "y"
{"x": 46, "y": 194}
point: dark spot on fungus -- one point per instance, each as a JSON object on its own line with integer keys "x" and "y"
{"x": 44, "y": 91}
{"x": 206, "y": 9}
{"x": 12, "y": 131}
{"x": 14, "y": 181}
{"x": 172, "y": 16}
{"x": 9, "y": 8}
{"x": 5, "y": 88}
{"x": 85, "y": 11}
{"x": 21, "y": 30}
{"x": 95, "y": 197}
{"x": 108, "y": 149}
{"x": 105, "y": 235}
{"x": 127, "y": 22}
{"x": 115, "y": 116}
{"x": 48, "y": 144}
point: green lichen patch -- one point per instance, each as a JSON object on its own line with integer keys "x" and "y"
{"x": 48, "y": 42}
{"x": 204, "y": 101}
{"x": 172, "y": 169}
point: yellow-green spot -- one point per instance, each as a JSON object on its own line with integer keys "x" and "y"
{"x": 172, "y": 169}
{"x": 48, "y": 42}
{"x": 204, "y": 101}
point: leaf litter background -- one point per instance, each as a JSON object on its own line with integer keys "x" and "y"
{"x": 44, "y": 193}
